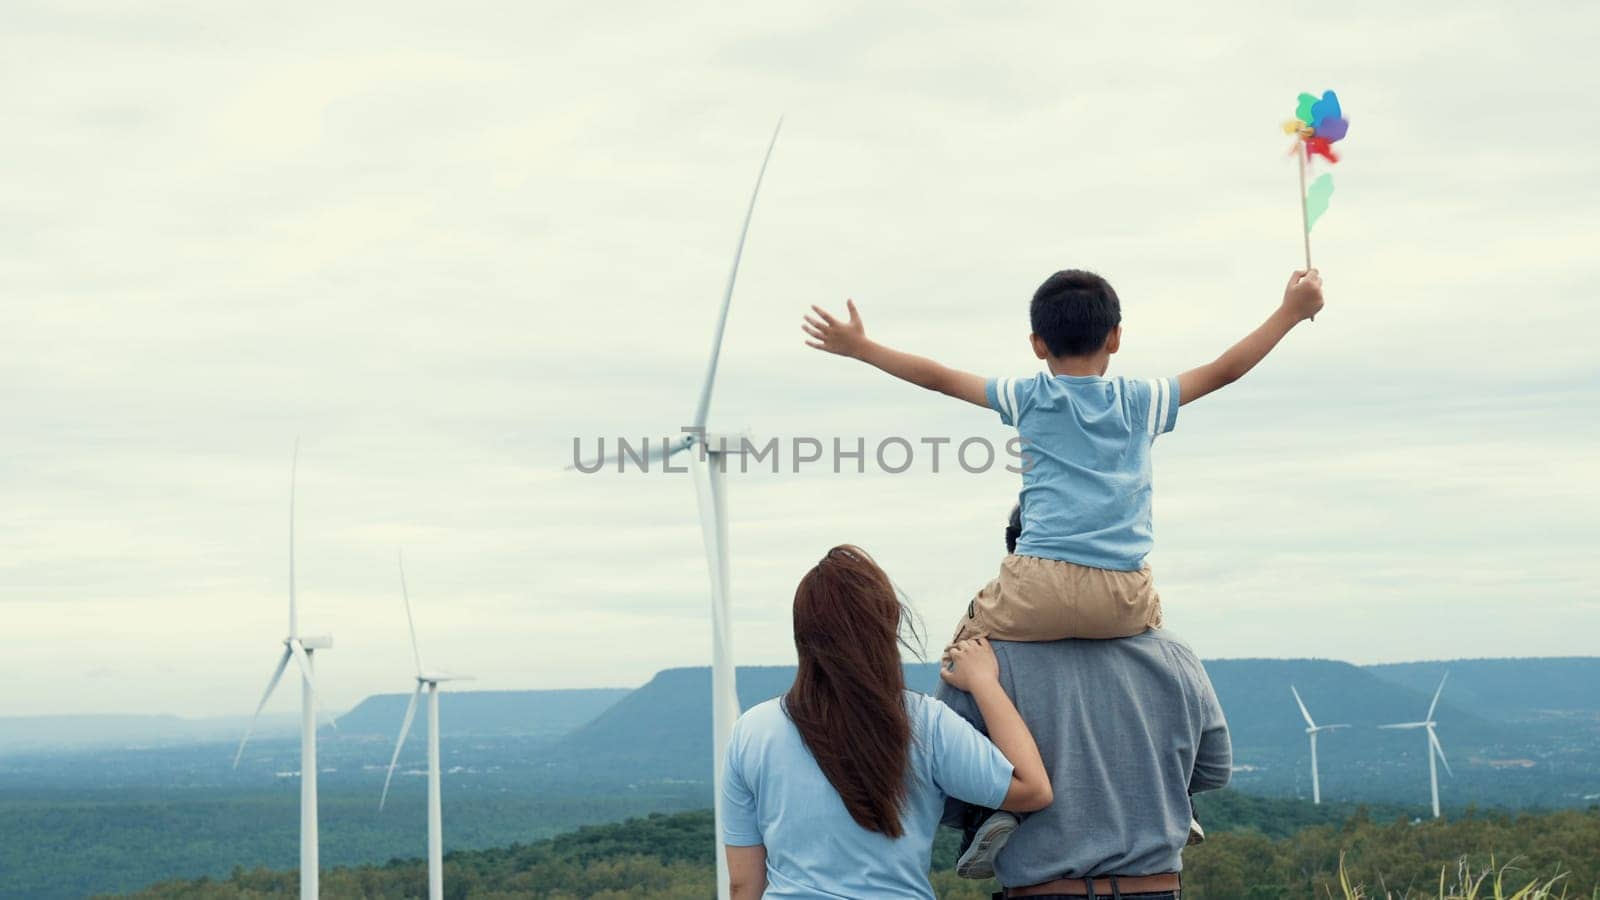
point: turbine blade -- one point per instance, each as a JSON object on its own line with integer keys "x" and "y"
{"x": 272, "y": 685}
{"x": 405, "y": 729}
{"x": 656, "y": 451}
{"x": 1433, "y": 741}
{"x": 1406, "y": 725}
{"x": 704, "y": 407}
{"x": 294, "y": 472}
{"x": 1436, "y": 696}
{"x": 1303, "y": 711}
{"x": 410, "y": 622}
{"x": 304, "y": 662}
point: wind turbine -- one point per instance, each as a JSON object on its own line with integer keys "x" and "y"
{"x": 1434, "y": 747}
{"x": 299, "y": 648}
{"x": 1312, "y": 729}
{"x": 429, "y": 681}
{"x": 708, "y": 468}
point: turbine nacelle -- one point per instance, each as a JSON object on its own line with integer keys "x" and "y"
{"x": 297, "y": 648}
{"x": 428, "y": 680}
{"x": 723, "y": 443}
{"x": 1435, "y": 749}
{"x": 661, "y": 450}
{"x": 710, "y": 497}
{"x": 1312, "y": 730}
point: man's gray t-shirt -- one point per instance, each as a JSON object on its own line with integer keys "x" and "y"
{"x": 1128, "y": 728}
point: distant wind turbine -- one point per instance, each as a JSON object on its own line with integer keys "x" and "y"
{"x": 708, "y": 467}
{"x": 300, "y": 649}
{"x": 1313, "y": 729}
{"x": 1434, "y": 747}
{"x": 430, "y": 681}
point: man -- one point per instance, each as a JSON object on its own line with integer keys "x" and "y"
{"x": 1128, "y": 729}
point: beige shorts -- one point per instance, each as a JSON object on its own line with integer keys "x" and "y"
{"x": 1038, "y": 599}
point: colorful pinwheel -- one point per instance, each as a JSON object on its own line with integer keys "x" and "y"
{"x": 1318, "y": 123}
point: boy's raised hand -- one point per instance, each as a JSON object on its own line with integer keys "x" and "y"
{"x": 1302, "y": 297}
{"x": 849, "y": 338}
{"x": 828, "y": 333}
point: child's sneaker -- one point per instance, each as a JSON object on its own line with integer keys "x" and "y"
{"x": 1197, "y": 835}
{"x": 978, "y": 862}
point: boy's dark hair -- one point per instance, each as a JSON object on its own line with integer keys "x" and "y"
{"x": 1074, "y": 311}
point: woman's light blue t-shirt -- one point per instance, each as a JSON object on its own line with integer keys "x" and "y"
{"x": 773, "y": 794}
{"x": 1086, "y": 463}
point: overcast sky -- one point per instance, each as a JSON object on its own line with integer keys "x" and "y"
{"x": 436, "y": 242}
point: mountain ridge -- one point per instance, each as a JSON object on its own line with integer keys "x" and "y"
{"x": 549, "y": 713}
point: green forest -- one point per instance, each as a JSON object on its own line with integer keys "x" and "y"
{"x": 1259, "y": 849}
{"x": 75, "y": 823}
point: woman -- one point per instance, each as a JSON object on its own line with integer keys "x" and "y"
{"x": 834, "y": 790}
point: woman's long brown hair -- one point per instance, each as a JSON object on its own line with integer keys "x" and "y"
{"x": 848, "y": 698}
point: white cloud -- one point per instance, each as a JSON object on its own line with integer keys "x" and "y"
{"x": 437, "y": 243}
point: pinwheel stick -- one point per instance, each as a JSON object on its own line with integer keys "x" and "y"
{"x": 1305, "y": 216}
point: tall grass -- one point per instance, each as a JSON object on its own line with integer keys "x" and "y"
{"x": 1468, "y": 884}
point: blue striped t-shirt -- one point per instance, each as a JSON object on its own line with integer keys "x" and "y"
{"x": 1086, "y": 463}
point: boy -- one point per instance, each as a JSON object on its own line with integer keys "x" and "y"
{"x": 1078, "y": 569}
{"x": 1079, "y": 566}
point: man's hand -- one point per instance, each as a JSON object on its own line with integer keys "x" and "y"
{"x": 830, "y": 334}
{"x": 969, "y": 665}
{"x": 1302, "y": 298}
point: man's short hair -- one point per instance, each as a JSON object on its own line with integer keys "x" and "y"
{"x": 1074, "y": 311}
{"x": 1014, "y": 528}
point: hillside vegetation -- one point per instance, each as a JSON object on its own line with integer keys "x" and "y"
{"x": 523, "y": 766}
{"x": 664, "y": 857}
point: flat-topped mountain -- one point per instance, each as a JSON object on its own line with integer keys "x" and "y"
{"x": 663, "y": 729}
{"x": 533, "y": 713}
{"x": 1513, "y": 690}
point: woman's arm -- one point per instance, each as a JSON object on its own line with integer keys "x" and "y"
{"x": 971, "y": 666}
{"x": 747, "y": 872}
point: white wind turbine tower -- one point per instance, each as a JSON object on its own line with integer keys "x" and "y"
{"x": 1434, "y": 747}
{"x": 708, "y": 468}
{"x": 1313, "y": 729}
{"x": 429, "y": 681}
{"x": 299, "y": 648}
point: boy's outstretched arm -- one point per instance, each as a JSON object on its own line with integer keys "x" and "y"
{"x": 850, "y": 339}
{"x": 1302, "y": 299}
